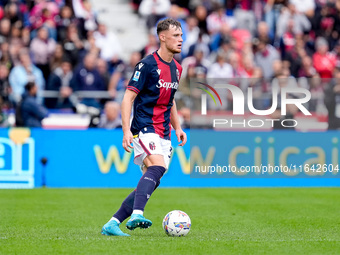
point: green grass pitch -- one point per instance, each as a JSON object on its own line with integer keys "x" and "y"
{"x": 224, "y": 221}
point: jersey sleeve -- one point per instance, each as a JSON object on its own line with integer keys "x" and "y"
{"x": 139, "y": 77}
{"x": 180, "y": 71}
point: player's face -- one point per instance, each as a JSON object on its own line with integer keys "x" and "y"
{"x": 173, "y": 39}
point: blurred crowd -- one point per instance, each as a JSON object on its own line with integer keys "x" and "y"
{"x": 60, "y": 47}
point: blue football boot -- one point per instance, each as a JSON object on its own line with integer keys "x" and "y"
{"x": 112, "y": 229}
{"x": 138, "y": 220}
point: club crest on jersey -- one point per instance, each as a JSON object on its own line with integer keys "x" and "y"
{"x": 159, "y": 71}
{"x": 136, "y": 76}
{"x": 152, "y": 146}
{"x": 177, "y": 73}
{"x": 140, "y": 65}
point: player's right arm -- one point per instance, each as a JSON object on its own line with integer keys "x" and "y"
{"x": 135, "y": 85}
{"x": 127, "y": 103}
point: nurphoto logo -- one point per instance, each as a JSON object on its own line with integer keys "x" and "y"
{"x": 239, "y": 102}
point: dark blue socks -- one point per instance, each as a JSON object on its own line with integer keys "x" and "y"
{"x": 127, "y": 206}
{"x": 146, "y": 185}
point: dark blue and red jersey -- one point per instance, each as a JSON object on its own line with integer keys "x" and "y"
{"x": 155, "y": 81}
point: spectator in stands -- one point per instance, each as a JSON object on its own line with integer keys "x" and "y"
{"x": 4, "y": 86}
{"x": 217, "y": 18}
{"x": 224, "y": 35}
{"x": 197, "y": 61}
{"x": 307, "y": 69}
{"x": 287, "y": 40}
{"x": 90, "y": 45}
{"x": 179, "y": 14}
{"x": 26, "y": 37}
{"x": 240, "y": 38}
{"x": 5, "y": 57}
{"x": 192, "y": 32}
{"x": 60, "y": 80}
{"x": 31, "y": 112}
{"x": 18, "y": 16}
{"x": 57, "y": 57}
{"x": 265, "y": 55}
{"x": 121, "y": 77}
{"x": 42, "y": 49}
{"x": 336, "y": 51}
{"x": 305, "y": 7}
{"x": 44, "y": 14}
{"x": 336, "y": 27}
{"x": 245, "y": 16}
{"x": 220, "y": 69}
{"x": 324, "y": 61}
{"x": 105, "y": 74}
{"x": 86, "y": 16}
{"x": 23, "y": 73}
{"x": 15, "y": 35}
{"x": 225, "y": 47}
{"x": 194, "y": 67}
{"x": 151, "y": 46}
{"x": 202, "y": 43}
{"x": 73, "y": 46}
{"x": 277, "y": 67}
{"x": 153, "y": 10}
{"x": 108, "y": 44}
{"x": 290, "y": 17}
{"x": 14, "y": 52}
{"x": 326, "y": 22}
{"x": 66, "y": 18}
{"x": 111, "y": 117}
{"x": 248, "y": 65}
{"x": 332, "y": 100}
{"x": 5, "y": 29}
{"x": 293, "y": 57}
{"x": 103, "y": 71}
{"x": 262, "y": 33}
{"x": 201, "y": 14}
{"x": 237, "y": 69}
{"x": 272, "y": 11}
{"x": 87, "y": 78}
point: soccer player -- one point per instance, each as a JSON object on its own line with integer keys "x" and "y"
{"x": 151, "y": 91}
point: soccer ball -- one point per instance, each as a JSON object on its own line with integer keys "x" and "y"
{"x": 176, "y": 223}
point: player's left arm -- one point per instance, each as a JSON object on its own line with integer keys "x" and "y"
{"x": 181, "y": 135}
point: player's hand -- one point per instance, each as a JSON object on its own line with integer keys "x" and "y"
{"x": 127, "y": 140}
{"x": 181, "y": 136}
